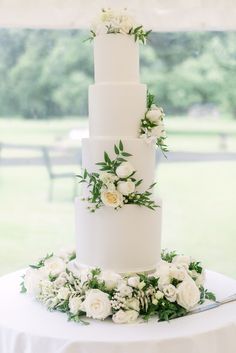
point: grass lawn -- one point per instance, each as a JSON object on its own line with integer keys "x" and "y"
{"x": 198, "y": 198}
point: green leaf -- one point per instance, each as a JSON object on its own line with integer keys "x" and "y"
{"x": 23, "y": 289}
{"x": 126, "y": 154}
{"x": 138, "y": 182}
{"x": 106, "y": 158}
{"x": 121, "y": 147}
{"x": 210, "y": 296}
{"x": 116, "y": 149}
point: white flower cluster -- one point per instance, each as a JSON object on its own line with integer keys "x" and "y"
{"x": 112, "y": 195}
{"x": 152, "y": 126}
{"x": 113, "y": 21}
{"x": 100, "y": 294}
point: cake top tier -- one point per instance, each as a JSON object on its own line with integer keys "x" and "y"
{"x": 116, "y": 52}
{"x": 116, "y": 59}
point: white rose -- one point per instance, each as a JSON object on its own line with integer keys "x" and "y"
{"x": 182, "y": 259}
{"x": 134, "y": 281}
{"x": 170, "y": 292}
{"x": 124, "y": 170}
{"x": 188, "y": 294}
{"x": 124, "y": 290}
{"x": 74, "y": 305}
{"x": 126, "y": 25}
{"x": 125, "y": 317}
{"x": 112, "y": 198}
{"x": 154, "y": 115}
{"x": 178, "y": 272}
{"x": 163, "y": 273}
{"x": 54, "y": 265}
{"x": 97, "y": 304}
{"x": 107, "y": 178}
{"x": 110, "y": 278}
{"x": 158, "y": 131}
{"x": 133, "y": 304}
{"x": 126, "y": 187}
{"x": 63, "y": 293}
{"x": 33, "y": 279}
{"x": 199, "y": 278}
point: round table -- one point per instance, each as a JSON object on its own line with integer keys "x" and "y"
{"x": 27, "y": 327}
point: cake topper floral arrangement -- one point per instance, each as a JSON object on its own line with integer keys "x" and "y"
{"x": 112, "y": 22}
{"x": 115, "y": 185}
{"x": 172, "y": 291}
{"x": 152, "y": 127}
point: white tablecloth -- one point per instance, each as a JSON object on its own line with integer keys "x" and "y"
{"x": 27, "y": 327}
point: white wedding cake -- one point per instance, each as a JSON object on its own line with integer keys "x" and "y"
{"x": 127, "y": 239}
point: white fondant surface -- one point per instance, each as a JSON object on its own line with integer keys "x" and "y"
{"x": 116, "y": 58}
{"x": 143, "y": 156}
{"x": 127, "y": 240}
{"x": 116, "y": 109}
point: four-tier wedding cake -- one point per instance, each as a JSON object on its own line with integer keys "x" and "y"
{"x": 128, "y": 238}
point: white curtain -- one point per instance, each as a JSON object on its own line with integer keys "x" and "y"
{"x": 160, "y": 15}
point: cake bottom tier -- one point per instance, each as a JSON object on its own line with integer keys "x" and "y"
{"x": 123, "y": 241}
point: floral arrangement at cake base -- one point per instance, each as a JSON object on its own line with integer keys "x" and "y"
{"x": 172, "y": 291}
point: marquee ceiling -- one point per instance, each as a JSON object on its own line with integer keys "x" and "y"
{"x": 160, "y": 15}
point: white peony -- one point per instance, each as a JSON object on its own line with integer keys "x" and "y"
{"x": 110, "y": 278}
{"x": 97, "y": 304}
{"x": 33, "y": 279}
{"x": 124, "y": 290}
{"x": 134, "y": 281}
{"x": 75, "y": 305}
{"x": 170, "y": 292}
{"x": 124, "y": 170}
{"x": 54, "y": 265}
{"x": 63, "y": 293}
{"x": 188, "y": 294}
{"x": 133, "y": 304}
{"x": 154, "y": 115}
{"x": 126, "y": 187}
{"x": 183, "y": 260}
{"x": 125, "y": 317}
{"x": 112, "y": 198}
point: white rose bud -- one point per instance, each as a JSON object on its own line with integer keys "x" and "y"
{"x": 63, "y": 293}
{"x": 125, "y": 317}
{"x": 126, "y": 187}
{"x": 159, "y": 295}
{"x": 74, "y": 305}
{"x": 110, "y": 278}
{"x": 183, "y": 260}
{"x": 97, "y": 304}
{"x": 134, "y": 281}
{"x": 154, "y": 115}
{"x": 54, "y": 265}
{"x": 133, "y": 304}
{"x": 170, "y": 292}
{"x": 124, "y": 170}
{"x": 124, "y": 290}
{"x": 188, "y": 294}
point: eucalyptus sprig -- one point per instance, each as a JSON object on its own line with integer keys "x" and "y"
{"x": 139, "y": 34}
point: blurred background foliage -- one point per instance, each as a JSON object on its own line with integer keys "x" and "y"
{"x": 46, "y": 73}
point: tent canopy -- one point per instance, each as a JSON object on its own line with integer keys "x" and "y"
{"x": 160, "y": 15}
